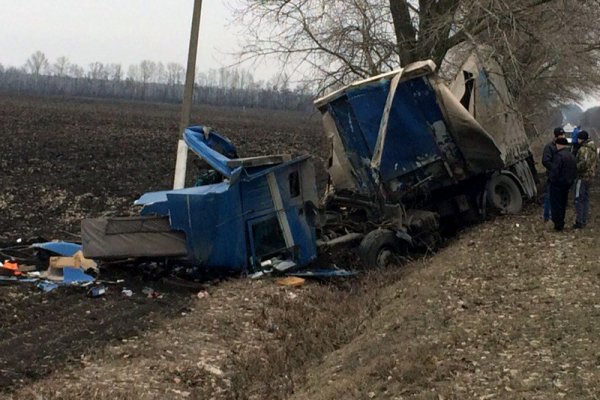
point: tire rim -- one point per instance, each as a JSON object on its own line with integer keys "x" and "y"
{"x": 503, "y": 195}
{"x": 385, "y": 257}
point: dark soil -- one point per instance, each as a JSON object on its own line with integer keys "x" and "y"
{"x": 43, "y": 331}
{"x": 62, "y": 160}
{"x": 66, "y": 159}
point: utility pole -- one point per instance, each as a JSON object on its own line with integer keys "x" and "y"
{"x": 182, "y": 149}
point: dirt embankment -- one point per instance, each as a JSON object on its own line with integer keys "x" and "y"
{"x": 508, "y": 310}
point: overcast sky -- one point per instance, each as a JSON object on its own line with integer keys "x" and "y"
{"x": 117, "y": 31}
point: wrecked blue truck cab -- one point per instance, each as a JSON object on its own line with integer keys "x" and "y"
{"x": 412, "y": 160}
{"x": 262, "y": 208}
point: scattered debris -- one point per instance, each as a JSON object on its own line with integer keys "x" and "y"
{"x": 284, "y": 265}
{"x": 260, "y": 274}
{"x": 75, "y": 275}
{"x": 46, "y": 286}
{"x": 97, "y": 291}
{"x": 293, "y": 281}
{"x": 66, "y": 249}
{"x": 27, "y": 268}
{"x": 151, "y": 293}
{"x": 324, "y": 273}
{"x": 76, "y": 261}
{"x": 292, "y": 296}
{"x": 10, "y": 268}
{"x": 210, "y": 368}
{"x": 127, "y": 292}
{"x": 202, "y": 294}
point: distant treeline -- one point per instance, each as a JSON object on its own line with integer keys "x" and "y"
{"x": 150, "y": 81}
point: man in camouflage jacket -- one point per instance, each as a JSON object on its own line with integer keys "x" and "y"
{"x": 587, "y": 158}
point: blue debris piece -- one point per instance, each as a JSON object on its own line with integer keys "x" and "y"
{"x": 17, "y": 279}
{"x": 46, "y": 286}
{"x": 323, "y": 273}
{"x": 75, "y": 275}
{"x": 208, "y": 146}
{"x": 260, "y": 210}
{"x": 65, "y": 249}
{"x": 97, "y": 291}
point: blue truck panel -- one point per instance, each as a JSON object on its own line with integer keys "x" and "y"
{"x": 213, "y": 224}
{"x": 236, "y": 224}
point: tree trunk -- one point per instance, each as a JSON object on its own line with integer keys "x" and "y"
{"x": 406, "y": 35}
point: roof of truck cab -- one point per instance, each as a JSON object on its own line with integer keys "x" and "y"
{"x": 412, "y": 70}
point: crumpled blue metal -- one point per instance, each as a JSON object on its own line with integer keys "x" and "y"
{"x": 65, "y": 249}
{"x": 219, "y": 219}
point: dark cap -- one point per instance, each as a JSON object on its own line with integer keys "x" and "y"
{"x": 562, "y": 140}
{"x": 558, "y": 131}
{"x": 583, "y": 135}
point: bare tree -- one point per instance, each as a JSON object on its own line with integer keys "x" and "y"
{"x": 147, "y": 71}
{"x": 161, "y": 73}
{"x": 537, "y": 41}
{"x": 133, "y": 73}
{"x": 37, "y": 64}
{"x": 115, "y": 72}
{"x": 97, "y": 70}
{"x": 175, "y": 73}
{"x": 61, "y": 66}
{"x": 76, "y": 71}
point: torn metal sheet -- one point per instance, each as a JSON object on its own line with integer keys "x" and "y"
{"x": 324, "y": 273}
{"x": 340, "y": 169}
{"x": 481, "y": 88}
{"x": 117, "y": 238}
{"x": 46, "y": 286}
{"x": 480, "y": 150}
{"x": 75, "y": 275}
{"x": 419, "y": 68}
{"x": 66, "y": 249}
{"x": 215, "y": 149}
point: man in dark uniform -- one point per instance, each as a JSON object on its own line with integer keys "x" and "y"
{"x": 563, "y": 173}
{"x": 586, "y": 158}
{"x": 548, "y": 155}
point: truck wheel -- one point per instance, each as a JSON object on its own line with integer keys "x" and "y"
{"x": 378, "y": 249}
{"x": 504, "y": 195}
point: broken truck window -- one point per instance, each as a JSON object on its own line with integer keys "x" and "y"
{"x": 469, "y": 82}
{"x": 267, "y": 237}
{"x": 294, "y": 179}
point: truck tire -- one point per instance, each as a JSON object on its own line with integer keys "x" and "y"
{"x": 378, "y": 249}
{"x": 504, "y": 194}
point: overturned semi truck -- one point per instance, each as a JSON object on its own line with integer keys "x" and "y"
{"x": 410, "y": 159}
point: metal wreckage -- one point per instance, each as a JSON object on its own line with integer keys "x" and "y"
{"x": 411, "y": 158}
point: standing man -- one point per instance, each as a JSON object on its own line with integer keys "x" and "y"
{"x": 586, "y": 171}
{"x": 562, "y": 175}
{"x": 548, "y": 156}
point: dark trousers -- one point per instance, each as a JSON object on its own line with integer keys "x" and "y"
{"x": 547, "y": 203}
{"x": 582, "y": 201}
{"x": 559, "y": 196}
